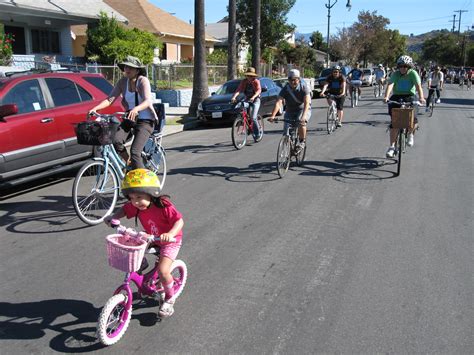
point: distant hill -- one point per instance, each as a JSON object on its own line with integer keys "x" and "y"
{"x": 415, "y": 43}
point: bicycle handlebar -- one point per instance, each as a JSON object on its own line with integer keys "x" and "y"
{"x": 106, "y": 116}
{"x": 115, "y": 223}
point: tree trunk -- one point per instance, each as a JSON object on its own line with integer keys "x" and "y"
{"x": 257, "y": 7}
{"x": 232, "y": 43}
{"x": 200, "y": 87}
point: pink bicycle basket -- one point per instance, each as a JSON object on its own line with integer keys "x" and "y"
{"x": 125, "y": 253}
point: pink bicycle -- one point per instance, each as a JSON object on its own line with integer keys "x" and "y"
{"x": 126, "y": 251}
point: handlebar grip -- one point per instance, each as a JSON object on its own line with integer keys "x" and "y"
{"x": 114, "y": 223}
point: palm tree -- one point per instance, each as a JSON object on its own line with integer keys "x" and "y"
{"x": 232, "y": 42}
{"x": 257, "y": 7}
{"x": 200, "y": 88}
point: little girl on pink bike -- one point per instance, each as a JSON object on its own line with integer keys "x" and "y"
{"x": 159, "y": 217}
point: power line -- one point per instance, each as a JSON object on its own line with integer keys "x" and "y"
{"x": 460, "y": 14}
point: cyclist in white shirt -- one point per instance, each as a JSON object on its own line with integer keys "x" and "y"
{"x": 435, "y": 82}
{"x": 380, "y": 75}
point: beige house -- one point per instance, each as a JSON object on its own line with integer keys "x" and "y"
{"x": 176, "y": 35}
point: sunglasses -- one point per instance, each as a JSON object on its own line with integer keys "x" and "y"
{"x": 294, "y": 80}
{"x": 403, "y": 66}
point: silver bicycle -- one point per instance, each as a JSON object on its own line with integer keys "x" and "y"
{"x": 97, "y": 184}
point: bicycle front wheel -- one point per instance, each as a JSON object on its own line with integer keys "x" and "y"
{"x": 283, "y": 155}
{"x": 401, "y": 142}
{"x": 95, "y": 191}
{"x": 154, "y": 158}
{"x": 260, "y": 127}
{"x": 239, "y": 133}
{"x": 432, "y": 105}
{"x": 352, "y": 98}
{"x": 331, "y": 119}
{"x": 113, "y": 320}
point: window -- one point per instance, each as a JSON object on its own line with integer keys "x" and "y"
{"x": 27, "y": 96}
{"x": 66, "y": 92}
{"x": 100, "y": 83}
{"x": 45, "y": 41}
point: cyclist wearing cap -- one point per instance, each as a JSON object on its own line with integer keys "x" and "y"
{"x": 336, "y": 85}
{"x": 435, "y": 82}
{"x": 159, "y": 217}
{"x": 298, "y": 104}
{"x": 405, "y": 83}
{"x": 252, "y": 89}
{"x": 380, "y": 75}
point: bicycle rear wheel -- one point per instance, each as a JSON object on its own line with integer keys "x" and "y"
{"x": 95, "y": 191}
{"x": 154, "y": 158}
{"x": 376, "y": 90}
{"x": 331, "y": 119}
{"x": 352, "y": 98}
{"x": 300, "y": 155}
{"x": 283, "y": 155}
{"x": 239, "y": 133}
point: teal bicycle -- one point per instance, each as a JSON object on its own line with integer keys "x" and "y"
{"x": 97, "y": 184}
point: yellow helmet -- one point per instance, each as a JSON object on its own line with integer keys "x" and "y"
{"x": 141, "y": 180}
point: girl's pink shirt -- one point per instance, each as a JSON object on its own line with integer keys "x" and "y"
{"x": 155, "y": 220}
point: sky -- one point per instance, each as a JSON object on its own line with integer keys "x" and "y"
{"x": 407, "y": 16}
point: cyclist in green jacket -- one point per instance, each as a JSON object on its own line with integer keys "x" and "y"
{"x": 405, "y": 83}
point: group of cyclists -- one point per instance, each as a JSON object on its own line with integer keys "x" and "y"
{"x": 157, "y": 214}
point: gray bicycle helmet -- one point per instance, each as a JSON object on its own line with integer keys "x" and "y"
{"x": 336, "y": 67}
{"x": 405, "y": 60}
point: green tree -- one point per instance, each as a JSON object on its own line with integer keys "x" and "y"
{"x": 109, "y": 41}
{"x": 444, "y": 49}
{"x": 317, "y": 41}
{"x": 273, "y": 18}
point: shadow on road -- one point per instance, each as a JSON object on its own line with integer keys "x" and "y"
{"x": 31, "y": 320}
{"x": 54, "y": 212}
{"x": 355, "y": 169}
{"x": 458, "y": 101}
{"x": 221, "y": 147}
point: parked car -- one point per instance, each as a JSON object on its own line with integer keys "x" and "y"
{"x": 217, "y": 107}
{"x": 38, "y": 113}
{"x": 319, "y": 82}
{"x": 369, "y": 77}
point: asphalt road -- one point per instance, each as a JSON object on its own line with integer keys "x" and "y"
{"x": 339, "y": 256}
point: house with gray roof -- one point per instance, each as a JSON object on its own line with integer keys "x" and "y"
{"x": 43, "y": 27}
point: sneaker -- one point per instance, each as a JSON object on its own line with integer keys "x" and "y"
{"x": 338, "y": 123}
{"x": 299, "y": 147}
{"x": 390, "y": 152}
{"x": 166, "y": 309}
{"x": 411, "y": 140}
{"x": 427, "y": 109}
{"x": 438, "y": 101}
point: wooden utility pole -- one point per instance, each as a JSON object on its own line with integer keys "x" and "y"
{"x": 257, "y": 8}
{"x": 232, "y": 42}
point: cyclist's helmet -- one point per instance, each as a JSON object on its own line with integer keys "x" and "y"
{"x": 294, "y": 73}
{"x": 405, "y": 60}
{"x": 336, "y": 67}
{"x": 141, "y": 180}
{"x": 380, "y": 65}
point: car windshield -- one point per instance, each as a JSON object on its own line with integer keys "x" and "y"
{"x": 228, "y": 88}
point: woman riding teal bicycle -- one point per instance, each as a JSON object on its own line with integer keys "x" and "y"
{"x": 135, "y": 89}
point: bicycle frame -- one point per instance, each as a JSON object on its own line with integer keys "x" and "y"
{"x": 110, "y": 156}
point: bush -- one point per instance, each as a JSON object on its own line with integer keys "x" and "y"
{"x": 6, "y": 48}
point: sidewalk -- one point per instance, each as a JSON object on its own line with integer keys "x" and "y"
{"x": 178, "y": 120}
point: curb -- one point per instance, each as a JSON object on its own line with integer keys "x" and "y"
{"x": 191, "y": 123}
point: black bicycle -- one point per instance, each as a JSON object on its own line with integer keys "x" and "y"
{"x": 432, "y": 101}
{"x": 289, "y": 147}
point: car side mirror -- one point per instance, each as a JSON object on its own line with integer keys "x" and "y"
{"x": 8, "y": 110}
{"x": 264, "y": 89}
